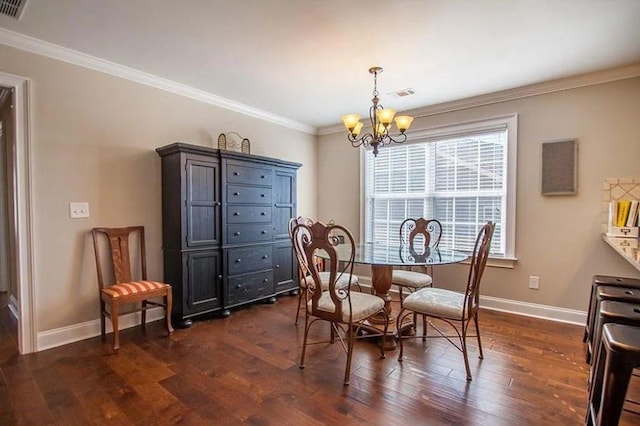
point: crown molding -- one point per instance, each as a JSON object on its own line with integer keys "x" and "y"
{"x": 54, "y": 51}
{"x": 582, "y": 80}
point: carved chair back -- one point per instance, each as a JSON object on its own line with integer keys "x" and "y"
{"x": 119, "y": 253}
{"x": 314, "y": 238}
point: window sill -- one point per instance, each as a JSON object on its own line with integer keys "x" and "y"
{"x": 499, "y": 262}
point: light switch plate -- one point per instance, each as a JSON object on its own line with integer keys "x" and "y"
{"x": 78, "y": 210}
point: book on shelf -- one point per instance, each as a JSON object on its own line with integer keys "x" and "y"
{"x": 632, "y": 217}
{"x": 624, "y": 213}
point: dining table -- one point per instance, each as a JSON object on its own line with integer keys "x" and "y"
{"x": 383, "y": 258}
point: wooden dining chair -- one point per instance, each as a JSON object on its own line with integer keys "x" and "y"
{"x": 126, "y": 290}
{"x": 303, "y": 264}
{"x": 450, "y": 306}
{"x": 418, "y": 235}
{"x": 344, "y": 309}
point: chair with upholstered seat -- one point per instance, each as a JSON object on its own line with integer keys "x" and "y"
{"x": 303, "y": 265}
{"x": 419, "y": 235}
{"x": 126, "y": 290}
{"x": 344, "y": 309}
{"x": 451, "y": 306}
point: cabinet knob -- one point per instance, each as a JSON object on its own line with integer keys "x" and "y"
{"x": 266, "y": 280}
{"x": 263, "y": 214}
{"x": 218, "y": 203}
{"x": 239, "y": 286}
{"x": 236, "y": 213}
{"x": 236, "y": 193}
{"x": 262, "y": 177}
{"x": 262, "y": 195}
{"x": 264, "y": 232}
{"x": 219, "y": 277}
{"x": 236, "y": 173}
{"x": 277, "y": 266}
{"x": 236, "y": 233}
{"x": 265, "y": 256}
{"x": 238, "y": 260}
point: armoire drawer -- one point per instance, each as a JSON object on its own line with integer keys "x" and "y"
{"x": 237, "y": 194}
{"x": 248, "y": 214}
{"x": 241, "y": 234}
{"x": 245, "y": 288}
{"x": 249, "y": 259}
{"x": 249, "y": 175}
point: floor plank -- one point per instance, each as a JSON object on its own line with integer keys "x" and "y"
{"x": 244, "y": 370}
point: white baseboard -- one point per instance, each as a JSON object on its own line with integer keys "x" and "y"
{"x": 76, "y": 332}
{"x": 551, "y": 313}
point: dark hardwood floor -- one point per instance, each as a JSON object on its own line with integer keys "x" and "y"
{"x": 244, "y": 369}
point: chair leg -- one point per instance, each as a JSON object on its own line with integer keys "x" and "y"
{"x": 595, "y": 387}
{"x": 399, "y": 319}
{"x": 103, "y": 326}
{"x": 300, "y": 296}
{"x": 168, "y": 308}
{"x": 401, "y": 295}
{"x": 304, "y": 341}
{"x": 463, "y": 342}
{"x": 115, "y": 314}
{"x": 384, "y": 335}
{"x": 475, "y": 320}
{"x": 424, "y": 328}
{"x": 617, "y": 373}
{"x": 144, "y": 314}
{"x": 352, "y": 338}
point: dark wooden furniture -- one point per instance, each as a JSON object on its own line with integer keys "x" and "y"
{"x": 224, "y": 221}
{"x": 618, "y": 355}
{"x": 592, "y": 314}
{"x": 125, "y": 290}
{"x": 618, "y": 312}
{"x": 606, "y": 293}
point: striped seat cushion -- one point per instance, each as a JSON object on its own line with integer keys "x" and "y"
{"x": 134, "y": 287}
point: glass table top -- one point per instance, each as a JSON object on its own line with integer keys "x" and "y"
{"x": 396, "y": 255}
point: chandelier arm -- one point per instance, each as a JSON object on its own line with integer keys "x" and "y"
{"x": 401, "y": 138}
{"x": 362, "y": 140}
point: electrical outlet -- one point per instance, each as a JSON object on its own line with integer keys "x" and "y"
{"x": 78, "y": 210}
{"x": 534, "y": 282}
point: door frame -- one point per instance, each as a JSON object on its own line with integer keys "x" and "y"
{"x": 21, "y": 212}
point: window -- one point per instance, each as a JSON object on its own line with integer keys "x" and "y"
{"x": 462, "y": 175}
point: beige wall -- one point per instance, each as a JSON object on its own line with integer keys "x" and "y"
{"x": 557, "y": 238}
{"x": 94, "y": 137}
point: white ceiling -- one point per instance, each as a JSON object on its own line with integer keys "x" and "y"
{"x": 308, "y": 60}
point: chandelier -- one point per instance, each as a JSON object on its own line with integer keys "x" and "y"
{"x": 381, "y": 119}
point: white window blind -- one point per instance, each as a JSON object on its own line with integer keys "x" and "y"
{"x": 459, "y": 180}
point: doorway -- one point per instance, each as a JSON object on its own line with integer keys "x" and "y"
{"x": 8, "y": 291}
{"x": 15, "y": 212}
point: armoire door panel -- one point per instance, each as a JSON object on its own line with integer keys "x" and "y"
{"x": 202, "y": 203}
